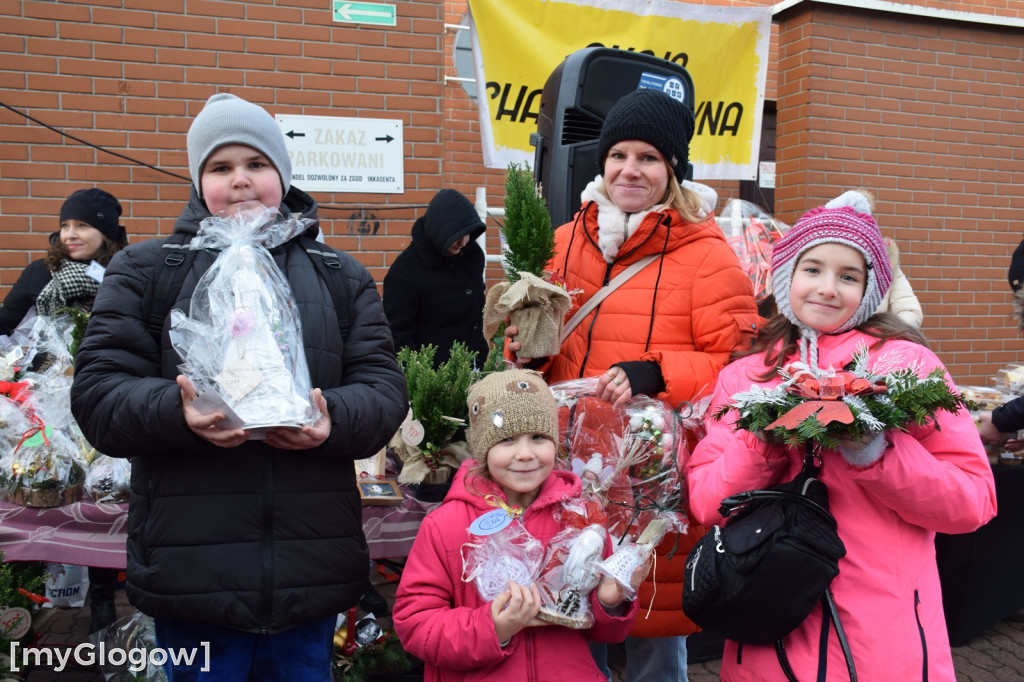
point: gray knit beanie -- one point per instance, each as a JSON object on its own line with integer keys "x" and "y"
{"x": 227, "y": 119}
{"x": 655, "y": 118}
{"x": 506, "y": 404}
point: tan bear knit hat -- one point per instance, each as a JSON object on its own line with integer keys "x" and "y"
{"x": 505, "y": 404}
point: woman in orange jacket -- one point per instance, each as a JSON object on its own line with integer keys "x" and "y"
{"x": 667, "y": 330}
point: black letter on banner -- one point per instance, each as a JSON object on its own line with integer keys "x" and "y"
{"x": 528, "y": 109}
{"x": 737, "y": 108}
{"x": 503, "y": 110}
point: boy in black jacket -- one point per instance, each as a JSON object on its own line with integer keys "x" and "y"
{"x": 253, "y": 546}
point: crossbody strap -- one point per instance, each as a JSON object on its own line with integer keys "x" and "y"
{"x": 602, "y": 293}
{"x": 829, "y": 613}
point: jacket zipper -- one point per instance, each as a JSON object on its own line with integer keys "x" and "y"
{"x": 924, "y": 640}
{"x": 267, "y": 574}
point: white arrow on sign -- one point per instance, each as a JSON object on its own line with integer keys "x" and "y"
{"x": 366, "y": 12}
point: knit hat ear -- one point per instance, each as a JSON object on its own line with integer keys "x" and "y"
{"x": 506, "y": 404}
{"x": 227, "y": 119}
{"x": 842, "y": 225}
{"x": 97, "y": 208}
{"x": 1015, "y": 274}
{"x": 655, "y": 118}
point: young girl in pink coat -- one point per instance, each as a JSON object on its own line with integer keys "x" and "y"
{"x": 440, "y": 618}
{"x": 889, "y": 494}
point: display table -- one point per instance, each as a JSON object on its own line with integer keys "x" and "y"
{"x": 90, "y": 534}
{"x": 981, "y": 576}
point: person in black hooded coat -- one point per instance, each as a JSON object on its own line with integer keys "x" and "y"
{"x": 434, "y": 291}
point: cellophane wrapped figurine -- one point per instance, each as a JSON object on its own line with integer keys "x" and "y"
{"x": 501, "y": 551}
{"x": 108, "y": 479}
{"x": 569, "y": 575}
{"x": 241, "y": 343}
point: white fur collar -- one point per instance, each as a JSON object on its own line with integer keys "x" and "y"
{"x": 708, "y": 197}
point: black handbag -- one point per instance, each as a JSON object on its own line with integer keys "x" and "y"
{"x": 757, "y": 578}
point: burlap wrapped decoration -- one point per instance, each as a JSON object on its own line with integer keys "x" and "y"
{"x": 537, "y": 307}
{"x": 415, "y": 467}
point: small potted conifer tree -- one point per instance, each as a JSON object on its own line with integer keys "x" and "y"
{"x": 533, "y": 303}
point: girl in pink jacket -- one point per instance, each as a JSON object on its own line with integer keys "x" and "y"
{"x": 889, "y": 495}
{"x": 442, "y": 619}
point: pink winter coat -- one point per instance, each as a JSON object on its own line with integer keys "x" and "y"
{"x": 445, "y": 622}
{"x": 887, "y": 591}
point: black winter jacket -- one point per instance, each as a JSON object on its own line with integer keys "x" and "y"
{"x": 250, "y": 537}
{"x": 430, "y": 297}
{"x": 23, "y": 295}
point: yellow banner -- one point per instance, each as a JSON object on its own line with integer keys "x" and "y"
{"x": 518, "y": 43}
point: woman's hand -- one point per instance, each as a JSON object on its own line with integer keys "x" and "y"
{"x": 513, "y": 346}
{"x": 515, "y": 609}
{"x": 307, "y": 437}
{"x": 614, "y": 387}
{"x": 205, "y": 425}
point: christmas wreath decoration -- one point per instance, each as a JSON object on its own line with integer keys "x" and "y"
{"x": 846, "y": 404}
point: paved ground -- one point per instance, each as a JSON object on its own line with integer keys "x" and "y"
{"x": 997, "y": 655}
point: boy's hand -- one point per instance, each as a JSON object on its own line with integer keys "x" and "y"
{"x": 291, "y": 438}
{"x": 205, "y": 425}
{"x": 515, "y": 609}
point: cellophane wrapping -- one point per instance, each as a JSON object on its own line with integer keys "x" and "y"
{"x": 569, "y": 575}
{"x": 108, "y": 479}
{"x": 242, "y": 337}
{"x": 492, "y": 561}
{"x": 630, "y": 460}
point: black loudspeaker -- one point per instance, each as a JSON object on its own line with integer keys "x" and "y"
{"x": 577, "y": 96}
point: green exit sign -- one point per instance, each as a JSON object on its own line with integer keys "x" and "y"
{"x": 364, "y": 13}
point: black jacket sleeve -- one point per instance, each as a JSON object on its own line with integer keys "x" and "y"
{"x": 371, "y": 402}
{"x": 1010, "y": 416}
{"x": 23, "y": 295}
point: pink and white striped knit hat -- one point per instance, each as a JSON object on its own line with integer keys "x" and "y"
{"x": 844, "y": 225}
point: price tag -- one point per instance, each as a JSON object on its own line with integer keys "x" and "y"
{"x": 491, "y": 522}
{"x": 412, "y": 432}
{"x": 14, "y": 622}
{"x": 95, "y": 270}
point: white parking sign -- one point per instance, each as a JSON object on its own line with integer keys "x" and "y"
{"x": 335, "y": 154}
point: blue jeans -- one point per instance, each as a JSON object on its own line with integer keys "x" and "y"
{"x": 302, "y": 653}
{"x": 655, "y": 659}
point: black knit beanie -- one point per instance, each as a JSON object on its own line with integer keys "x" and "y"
{"x": 655, "y": 118}
{"x": 1016, "y": 272}
{"x": 98, "y": 209}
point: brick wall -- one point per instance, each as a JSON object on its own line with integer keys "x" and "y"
{"x": 927, "y": 114}
{"x": 130, "y": 76}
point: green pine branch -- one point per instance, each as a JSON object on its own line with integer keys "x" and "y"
{"x": 529, "y": 239}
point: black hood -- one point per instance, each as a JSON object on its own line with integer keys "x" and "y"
{"x": 449, "y": 217}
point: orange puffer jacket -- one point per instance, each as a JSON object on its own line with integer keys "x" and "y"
{"x": 687, "y": 310}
